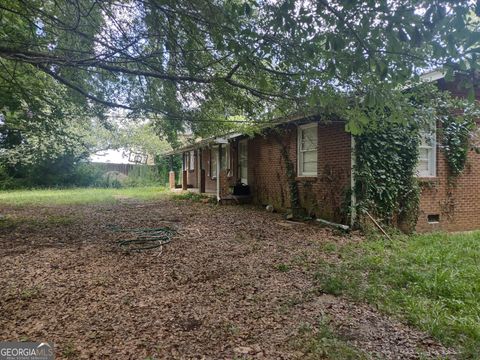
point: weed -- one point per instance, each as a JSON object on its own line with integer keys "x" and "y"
{"x": 59, "y": 220}
{"x": 320, "y": 342}
{"x": 69, "y": 351}
{"x": 283, "y": 267}
{"x": 431, "y": 281}
{"x": 9, "y": 223}
{"x": 30, "y": 293}
{"x": 194, "y": 197}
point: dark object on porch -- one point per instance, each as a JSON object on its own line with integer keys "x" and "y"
{"x": 241, "y": 189}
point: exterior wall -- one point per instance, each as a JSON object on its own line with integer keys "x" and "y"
{"x": 322, "y": 195}
{"x": 191, "y": 173}
{"x": 455, "y": 200}
{"x": 211, "y": 182}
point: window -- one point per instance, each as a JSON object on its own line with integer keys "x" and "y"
{"x": 185, "y": 161}
{"x": 427, "y": 154}
{"x": 243, "y": 161}
{"x": 192, "y": 160}
{"x": 307, "y": 150}
{"x": 213, "y": 162}
{"x": 225, "y": 157}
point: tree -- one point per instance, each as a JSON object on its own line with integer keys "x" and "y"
{"x": 199, "y": 62}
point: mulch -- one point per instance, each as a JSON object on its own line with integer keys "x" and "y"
{"x": 217, "y": 290}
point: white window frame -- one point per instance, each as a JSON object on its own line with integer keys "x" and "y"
{"x": 431, "y": 148}
{"x": 225, "y": 157}
{"x": 191, "y": 162}
{"x": 300, "y": 151}
{"x": 185, "y": 161}
{"x": 213, "y": 161}
{"x": 242, "y": 160}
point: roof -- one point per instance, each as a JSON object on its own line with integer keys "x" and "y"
{"x": 223, "y": 138}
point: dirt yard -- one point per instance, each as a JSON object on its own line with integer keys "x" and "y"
{"x": 235, "y": 282}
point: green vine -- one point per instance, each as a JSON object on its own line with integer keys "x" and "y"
{"x": 291, "y": 175}
{"x": 385, "y": 174}
{"x": 456, "y": 134}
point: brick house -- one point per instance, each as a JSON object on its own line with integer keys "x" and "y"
{"x": 322, "y": 159}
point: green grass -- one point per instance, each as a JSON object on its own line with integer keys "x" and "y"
{"x": 430, "y": 281}
{"x": 194, "y": 197}
{"x": 320, "y": 342}
{"x": 78, "y": 195}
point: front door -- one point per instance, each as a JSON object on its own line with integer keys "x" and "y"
{"x": 243, "y": 161}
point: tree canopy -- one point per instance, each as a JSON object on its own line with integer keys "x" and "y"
{"x": 205, "y": 65}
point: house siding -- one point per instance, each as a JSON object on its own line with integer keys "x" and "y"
{"x": 323, "y": 195}
{"x": 455, "y": 199}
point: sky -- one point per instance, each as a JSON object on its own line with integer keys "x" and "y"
{"x": 111, "y": 156}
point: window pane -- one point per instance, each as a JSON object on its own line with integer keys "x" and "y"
{"x": 213, "y": 162}
{"x": 422, "y": 166}
{"x": 310, "y": 167}
{"x": 225, "y": 161}
{"x": 310, "y": 156}
{"x": 307, "y": 154}
{"x": 309, "y": 138}
{"x": 192, "y": 160}
{"x": 427, "y": 153}
{"x": 423, "y": 154}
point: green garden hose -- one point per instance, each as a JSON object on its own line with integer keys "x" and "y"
{"x": 146, "y": 238}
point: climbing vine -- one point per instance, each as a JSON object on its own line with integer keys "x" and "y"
{"x": 457, "y": 127}
{"x": 387, "y": 153}
{"x": 456, "y": 143}
{"x": 292, "y": 183}
{"x": 385, "y": 182}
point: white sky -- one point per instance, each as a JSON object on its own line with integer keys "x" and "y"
{"x": 111, "y": 156}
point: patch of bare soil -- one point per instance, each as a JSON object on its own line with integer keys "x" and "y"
{"x": 234, "y": 282}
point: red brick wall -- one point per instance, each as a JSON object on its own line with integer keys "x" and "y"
{"x": 210, "y": 184}
{"x": 191, "y": 174}
{"x": 321, "y": 196}
{"x": 457, "y": 201}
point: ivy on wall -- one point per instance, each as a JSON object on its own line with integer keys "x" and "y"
{"x": 387, "y": 153}
{"x": 456, "y": 136}
{"x": 384, "y": 175}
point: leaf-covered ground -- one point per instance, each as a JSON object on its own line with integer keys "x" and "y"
{"x": 235, "y": 282}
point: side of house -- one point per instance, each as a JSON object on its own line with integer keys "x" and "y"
{"x": 308, "y": 164}
{"x": 449, "y": 203}
{"x": 316, "y": 157}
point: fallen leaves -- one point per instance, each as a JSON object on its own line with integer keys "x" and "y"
{"x": 234, "y": 282}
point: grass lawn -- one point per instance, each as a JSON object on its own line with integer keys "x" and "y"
{"x": 431, "y": 281}
{"x": 78, "y": 195}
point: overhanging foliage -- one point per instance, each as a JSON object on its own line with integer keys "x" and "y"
{"x": 198, "y": 63}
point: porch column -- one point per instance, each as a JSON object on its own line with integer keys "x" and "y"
{"x": 218, "y": 171}
{"x": 171, "y": 179}
{"x": 171, "y": 174}
{"x": 184, "y": 180}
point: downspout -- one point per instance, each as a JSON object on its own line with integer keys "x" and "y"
{"x": 219, "y": 148}
{"x": 199, "y": 168}
{"x": 353, "y": 197}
